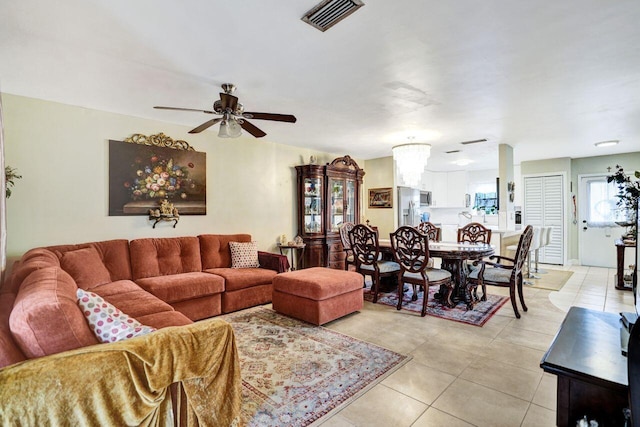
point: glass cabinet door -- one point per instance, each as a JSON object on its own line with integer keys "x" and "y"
{"x": 313, "y": 205}
{"x": 336, "y": 208}
{"x": 350, "y": 204}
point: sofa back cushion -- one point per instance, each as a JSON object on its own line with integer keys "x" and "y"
{"x": 10, "y": 353}
{"x": 46, "y": 318}
{"x": 164, "y": 256}
{"x": 113, "y": 253}
{"x": 86, "y": 267}
{"x": 214, "y": 249}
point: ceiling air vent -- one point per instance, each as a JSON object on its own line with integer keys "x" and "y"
{"x": 329, "y": 12}
{"x": 475, "y": 141}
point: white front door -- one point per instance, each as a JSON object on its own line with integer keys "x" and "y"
{"x": 597, "y": 230}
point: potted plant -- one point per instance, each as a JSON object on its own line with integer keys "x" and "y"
{"x": 628, "y": 194}
{"x": 10, "y": 175}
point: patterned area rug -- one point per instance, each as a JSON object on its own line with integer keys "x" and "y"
{"x": 293, "y": 372}
{"x": 481, "y": 313}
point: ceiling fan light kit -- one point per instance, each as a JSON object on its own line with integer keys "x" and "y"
{"x": 234, "y": 118}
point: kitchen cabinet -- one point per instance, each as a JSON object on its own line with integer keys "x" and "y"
{"x": 449, "y": 189}
{"x": 322, "y": 212}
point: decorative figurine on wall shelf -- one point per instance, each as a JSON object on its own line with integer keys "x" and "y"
{"x": 167, "y": 212}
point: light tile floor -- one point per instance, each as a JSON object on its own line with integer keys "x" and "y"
{"x": 462, "y": 375}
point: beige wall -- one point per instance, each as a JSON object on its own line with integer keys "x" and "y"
{"x": 62, "y": 153}
{"x": 379, "y": 174}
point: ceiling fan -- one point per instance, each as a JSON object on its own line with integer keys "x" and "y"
{"x": 233, "y": 116}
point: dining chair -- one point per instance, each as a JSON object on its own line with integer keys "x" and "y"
{"x": 499, "y": 274}
{"x": 474, "y": 232}
{"x": 366, "y": 254}
{"x": 536, "y": 241}
{"x": 410, "y": 249}
{"x": 430, "y": 230}
{"x": 346, "y": 244}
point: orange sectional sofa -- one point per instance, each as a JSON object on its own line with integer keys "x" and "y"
{"x": 160, "y": 282}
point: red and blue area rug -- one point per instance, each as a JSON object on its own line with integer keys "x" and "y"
{"x": 481, "y": 313}
{"x": 294, "y": 373}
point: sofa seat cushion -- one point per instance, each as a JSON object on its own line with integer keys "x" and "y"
{"x": 185, "y": 286}
{"x": 165, "y": 319}
{"x": 131, "y": 298}
{"x": 242, "y": 278}
{"x": 46, "y": 318}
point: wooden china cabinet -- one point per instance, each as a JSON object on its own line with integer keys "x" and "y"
{"x": 328, "y": 196}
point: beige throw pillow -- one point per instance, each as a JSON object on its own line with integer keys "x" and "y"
{"x": 244, "y": 255}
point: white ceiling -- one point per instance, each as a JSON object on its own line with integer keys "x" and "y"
{"x": 548, "y": 77}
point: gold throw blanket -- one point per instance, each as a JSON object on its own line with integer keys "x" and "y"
{"x": 127, "y": 383}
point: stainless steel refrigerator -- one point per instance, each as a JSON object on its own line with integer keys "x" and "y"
{"x": 408, "y": 205}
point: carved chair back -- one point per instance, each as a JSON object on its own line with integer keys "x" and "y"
{"x": 430, "y": 230}
{"x": 523, "y": 249}
{"x": 364, "y": 244}
{"x": 344, "y": 235}
{"x": 474, "y": 232}
{"x": 411, "y": 249}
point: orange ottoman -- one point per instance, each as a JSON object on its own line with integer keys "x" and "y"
{"x": 317, "y": 295}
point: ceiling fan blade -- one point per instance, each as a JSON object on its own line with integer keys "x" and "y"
{"x": 270, "y": 116}
{"x": 205, "y": 125}
{"x": 228, "y": 101}
{"x": 184, "y": 109}
{"x": 252, "y": 129}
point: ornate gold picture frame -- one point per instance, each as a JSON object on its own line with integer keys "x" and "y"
{"x": 381, "y": 197}
{"x": 145, "y": 171}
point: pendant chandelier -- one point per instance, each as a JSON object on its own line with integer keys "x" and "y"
{"x": 411, "y": 159}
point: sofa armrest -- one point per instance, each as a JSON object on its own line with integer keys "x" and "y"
{"x": 201, "y": 358}
{"x": 275, "y": 262}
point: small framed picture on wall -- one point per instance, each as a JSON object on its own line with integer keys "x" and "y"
{"x": 381, "y": 197}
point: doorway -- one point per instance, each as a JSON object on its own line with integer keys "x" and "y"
{"x": 597, "y": 230}
{"x": 544, "y": 206}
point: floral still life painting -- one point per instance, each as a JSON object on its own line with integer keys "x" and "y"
{"x": 141, "y": 177}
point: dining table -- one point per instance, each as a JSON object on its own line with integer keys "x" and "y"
{"x": 453, "y": 256}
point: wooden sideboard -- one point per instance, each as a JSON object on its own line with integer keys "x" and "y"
{"x": 586, "y": 357}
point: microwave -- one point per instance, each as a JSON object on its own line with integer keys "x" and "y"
{"x": 425, "y": 198}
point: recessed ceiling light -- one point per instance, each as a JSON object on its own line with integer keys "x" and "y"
{"x": 607, "y": 143}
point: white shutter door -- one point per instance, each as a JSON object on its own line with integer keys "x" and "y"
{"x": 543, "y": 207}
{"x": 533, "y": 202}
{"x": 553, "y": 217}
